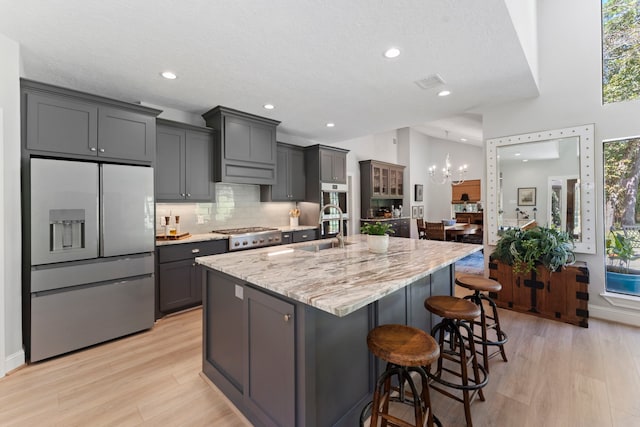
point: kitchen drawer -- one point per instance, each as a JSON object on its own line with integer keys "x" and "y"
{"x": 181, "y": 251}
{"x": 304, "y": 235}
{"x": 287, "y": 237}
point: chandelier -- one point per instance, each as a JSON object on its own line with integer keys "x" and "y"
{"x": 446, "y": 174}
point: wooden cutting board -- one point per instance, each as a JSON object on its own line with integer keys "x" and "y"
{"x": 175, "y": 236}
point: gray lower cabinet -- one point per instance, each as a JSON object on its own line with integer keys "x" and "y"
{"x": 401, "y": 227}
{"x": 297, "y": 365}
{"x": 244, "y": 146}
{"x": 287, "y": 237}
{"x": 183, "y": 162}
{"x": 179, "y": 277}
{"x": 269, "y": 358}
{"x": 304, "y": 235}
{"x": 67, "y": 122}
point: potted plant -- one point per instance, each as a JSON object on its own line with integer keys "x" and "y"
{"x": 620, "y": 252}
{"x": 524, "y": 250}
{"x": 539, "y": 275}
{"x": 377, "y": 236}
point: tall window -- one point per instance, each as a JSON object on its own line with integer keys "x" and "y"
{"x": 620, "y": 50}
{"x": 622, "y": 215}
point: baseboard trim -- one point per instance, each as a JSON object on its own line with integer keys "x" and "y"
{"x": 615, "y": 315}
{"x": 13, "y": 362}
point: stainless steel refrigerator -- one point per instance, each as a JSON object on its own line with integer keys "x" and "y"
{"x": 92, "y": 241}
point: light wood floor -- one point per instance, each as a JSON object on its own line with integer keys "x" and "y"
{"x": 557, "y": 375}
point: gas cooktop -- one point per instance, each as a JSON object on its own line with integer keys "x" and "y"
{"x": 251, "y": 237}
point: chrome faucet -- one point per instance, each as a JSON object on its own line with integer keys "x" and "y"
{"x": 340, "y": 236}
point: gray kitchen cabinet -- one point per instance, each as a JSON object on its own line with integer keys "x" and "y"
{"x": 224, "y": 328}
{"x": 270, "y": 342}
{"x": 179, "y": 277}
{"x": 75, "y": 124}
{"x": 126, "y": 134}
{"x": 290, "y": 176}
{"x": 287, "y": 237}
{"x": 249, "y": 348}
{"x": 244, "y": 146}
{"x": 183, "y": 162}
{"x": 323, "y": 164}
{"x": 304, "y": 235}
{"x": 333, "y": 166}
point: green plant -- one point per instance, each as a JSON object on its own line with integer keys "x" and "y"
{"x": 620, "y": 252}
{"x": 376, "y": 229}
{"x": 523, "y": 249}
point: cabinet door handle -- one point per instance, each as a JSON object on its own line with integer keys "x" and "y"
{"x": 287, "y": 317}
{"x": 92, "y": 148}
{"x": 304, "y": 236}
{"x": 195, "y": 251}
{"x": 101, "y": 150}
{"x": 188, "y": 194}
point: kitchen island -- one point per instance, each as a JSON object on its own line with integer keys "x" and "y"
{"x": 285, "y": 327}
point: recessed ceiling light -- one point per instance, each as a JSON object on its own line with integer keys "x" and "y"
{"x": 463, "y": 139}
{"x": 330, "y": 125}
{"x": 444, "y": 93}
{"x": 269, "y": 106}
{"x": 392, "y": 52}
{"x": 524, "y": 160}
{"x": 169, "y": 75}
{"x": 516, "y": 154}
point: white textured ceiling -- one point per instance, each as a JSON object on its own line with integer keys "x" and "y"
{"x": 318, "y": 61}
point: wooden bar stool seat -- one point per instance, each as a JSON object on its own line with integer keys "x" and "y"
{"x": 478, "y": 285}
{"x": 454, "y": 334}
{"x": 406, "y": 350}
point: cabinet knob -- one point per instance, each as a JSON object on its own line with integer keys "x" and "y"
{"x": 188, "y": 194}
{"x": 182, "y": 194}
{"x": 193, "y": 265}
{"x": 92, "y": 148}
{"x": 287, "y": 317}
{"x": 101, "y": 150}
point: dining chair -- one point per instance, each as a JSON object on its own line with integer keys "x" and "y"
{"x": 435, "y": 231}
{"x": 422, "y": 231}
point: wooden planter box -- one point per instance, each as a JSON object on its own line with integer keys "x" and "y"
{"x": 562, "y": 295}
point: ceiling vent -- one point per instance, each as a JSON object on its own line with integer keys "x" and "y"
{"x": 430, "y": 82}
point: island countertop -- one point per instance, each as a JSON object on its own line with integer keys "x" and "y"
{"x": 339, "y": 281}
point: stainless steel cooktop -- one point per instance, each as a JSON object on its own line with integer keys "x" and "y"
{"x": 251, "y": 237}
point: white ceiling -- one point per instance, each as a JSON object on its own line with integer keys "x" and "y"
{"x": 317, "y": 61}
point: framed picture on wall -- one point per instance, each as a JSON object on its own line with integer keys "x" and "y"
{"x": 420, "y": 211}
{"x": 414, "y": 212}
{"x": 527, "y": 196}
{"x": 418, "y": 192}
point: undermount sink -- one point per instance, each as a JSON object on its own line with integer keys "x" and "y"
{"x": 316, "y": 247}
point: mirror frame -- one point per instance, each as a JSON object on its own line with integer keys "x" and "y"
{"x": 587, "y": 180}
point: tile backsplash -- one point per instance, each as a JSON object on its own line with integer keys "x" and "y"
{"x": 236, "y": 205}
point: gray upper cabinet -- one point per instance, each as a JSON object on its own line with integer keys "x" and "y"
{"x": 244, "y": 146}
{"x": 61, "y": 125}
{"x": 125, "y": 134}
{"x": 333, "y": 166}
{"x": 75, "y": 124}
{"x": 323, "y": 164}
{"x": 290, "y": 176}
{"x": 183, "y": 163}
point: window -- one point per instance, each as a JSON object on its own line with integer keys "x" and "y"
{"x": 622, "y": 215}
{"x": 620, "y": 50}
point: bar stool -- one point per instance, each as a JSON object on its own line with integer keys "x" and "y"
{"x": 455, "y": 337}
{"x": 406, "y": 350}
{"x": 480, "y": 284}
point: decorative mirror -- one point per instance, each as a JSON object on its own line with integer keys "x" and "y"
{"x": 544, "y": 178}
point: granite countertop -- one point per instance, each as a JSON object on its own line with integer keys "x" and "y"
{"x": 339, "y": 281}
{"x": 215, "y": 236}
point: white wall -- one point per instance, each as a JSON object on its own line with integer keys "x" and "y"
{"x": 438, "y": 196}
{"x": 11, "y": 351}
{"x": 570, "y": 95}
